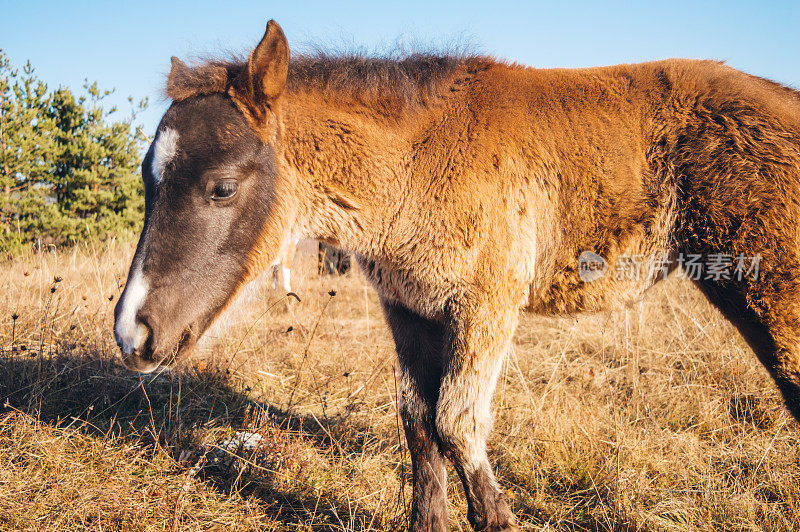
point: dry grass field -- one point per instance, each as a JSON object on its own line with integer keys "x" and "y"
{"x": 657, "y": 417}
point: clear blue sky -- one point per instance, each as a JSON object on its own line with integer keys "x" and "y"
{"x": 127, "y": 45}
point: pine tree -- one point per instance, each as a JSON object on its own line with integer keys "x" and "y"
{"x": 95, "y": 179}
{"x": 67, "y": 170}
{"x": 26, "y": 146}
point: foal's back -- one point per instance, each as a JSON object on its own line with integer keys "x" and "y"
{"x": 633, "y": 163}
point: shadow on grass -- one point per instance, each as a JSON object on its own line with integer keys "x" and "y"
{"x": 184, "y": 414}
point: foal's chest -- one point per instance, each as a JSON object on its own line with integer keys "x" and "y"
{"x": 395, "y": 285}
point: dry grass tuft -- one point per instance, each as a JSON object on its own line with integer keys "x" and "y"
{"x": 653, "y": 418}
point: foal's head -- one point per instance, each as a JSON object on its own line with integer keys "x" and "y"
{"x": 212, "y": 218}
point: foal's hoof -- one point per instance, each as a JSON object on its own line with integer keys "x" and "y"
{"x": 500, "y": 522}
{"x": 501, "y": 527}
{"x": 499, "y": 519}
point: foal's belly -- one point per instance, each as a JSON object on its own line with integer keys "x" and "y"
{"x": 587, "y": 284}
{"x": 605, "y": 286}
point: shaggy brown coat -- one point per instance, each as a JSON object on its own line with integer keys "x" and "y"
{"x": 469, "y": 188}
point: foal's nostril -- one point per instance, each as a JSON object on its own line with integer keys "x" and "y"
{"x": 144, "y": 333}
{"x": 134, "y": 336}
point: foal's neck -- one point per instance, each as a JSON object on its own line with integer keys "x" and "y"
{"x": 349, "y": 165}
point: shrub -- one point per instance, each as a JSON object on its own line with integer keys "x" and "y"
{"x": 68, "y": 167}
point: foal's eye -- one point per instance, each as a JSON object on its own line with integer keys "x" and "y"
{"x": 225, "y": 189}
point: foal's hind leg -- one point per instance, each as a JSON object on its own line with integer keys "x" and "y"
{"x": 419, "y": 350}
{"x": 476, "y": 342}
{"x": 772, "y": 329}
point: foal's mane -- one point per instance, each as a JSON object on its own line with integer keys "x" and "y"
{"x": 405, "y": 80}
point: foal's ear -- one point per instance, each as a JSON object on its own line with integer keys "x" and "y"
{"x": 179, "y": 70}
{"x": 184, "y": 82}
{"x": 268, "y": 66}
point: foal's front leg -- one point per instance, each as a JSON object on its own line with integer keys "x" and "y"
{"x": 419, "y": 351}
{"x": 475, "y": 345}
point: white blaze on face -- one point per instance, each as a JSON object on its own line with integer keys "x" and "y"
{"x": 130, "y": 334}
{"x": 164, "y": 148}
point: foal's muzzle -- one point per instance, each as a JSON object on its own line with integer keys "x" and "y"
{"x": 136, "y": 344}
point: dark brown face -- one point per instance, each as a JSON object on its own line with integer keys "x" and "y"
{"x": 209, "y": 182}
